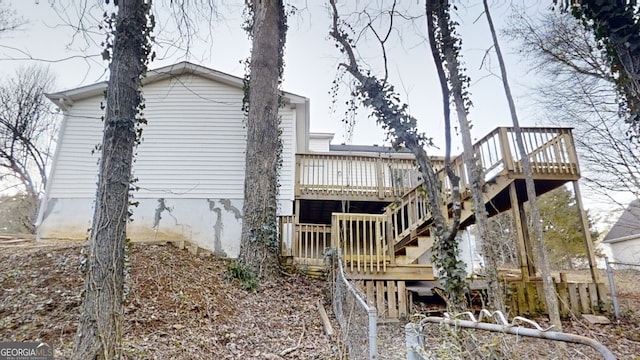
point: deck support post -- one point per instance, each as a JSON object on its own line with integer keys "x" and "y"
{"x": 586, "y": 234}
{"x": 380, "y": 180}
{"x": 296, "y": 238}
{"x": 522, "y": 233}
{"x": 391, "y": 244}
{"x": 507, "y": 158}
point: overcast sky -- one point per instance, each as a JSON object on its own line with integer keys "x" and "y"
{"x": 310, "y": 62}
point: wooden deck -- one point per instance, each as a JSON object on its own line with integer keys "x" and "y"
{"x": 381, "y": 249}
{"x": 354, "y": 177}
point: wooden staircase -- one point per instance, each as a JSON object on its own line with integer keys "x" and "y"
{"x": 384, "y": 252}
{"x": 414, "y": 252}
{"x": 371, "y": 244}
{"x": 553, "y": 160}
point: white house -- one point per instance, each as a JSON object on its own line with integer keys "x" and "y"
{"x": 624, "y": 237}
{"x": 189, "y": 167}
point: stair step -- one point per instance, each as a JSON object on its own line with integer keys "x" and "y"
{"x": 413, "y": 252}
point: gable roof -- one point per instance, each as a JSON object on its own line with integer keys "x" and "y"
{"x": 628, "y": 225}
{"x": 68, "y": 97}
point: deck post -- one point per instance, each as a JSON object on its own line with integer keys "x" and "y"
{"x": 526, "y": 269}
{"x": 296, "y": 239}
{"x": 380, "y": 178}
{"x": 586, "y": 233}
{"x": 507, "y": 158}
{"x": 573, "y": 156}
{"x": 388, "y": 233}
{"x": 298, "y": 173}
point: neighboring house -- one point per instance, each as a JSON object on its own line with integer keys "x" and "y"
{"x": 189, "y": 166}
{"x": 624, "y": 237}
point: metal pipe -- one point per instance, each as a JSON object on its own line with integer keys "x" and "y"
{"x": 612, "y": 286}
{"x": 373, "y": 333}
{"x": 518, "y": 330}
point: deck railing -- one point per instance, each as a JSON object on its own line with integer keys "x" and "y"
{"x": 355, "y": 177}
{"x": 550, "y": 150}
{"x": 306, "y": 243}
{"x": 362, "y": 239}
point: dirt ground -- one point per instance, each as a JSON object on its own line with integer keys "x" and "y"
{"x": 181, "y": 306}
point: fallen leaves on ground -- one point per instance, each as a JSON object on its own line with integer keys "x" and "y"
{"x": 179, "y": 306}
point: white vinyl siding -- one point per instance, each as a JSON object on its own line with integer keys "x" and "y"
{"x": 74, "y": 173}
{"x": 193, "y": 145}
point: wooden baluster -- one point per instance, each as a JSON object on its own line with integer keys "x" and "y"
{"x": 376, "y": 252}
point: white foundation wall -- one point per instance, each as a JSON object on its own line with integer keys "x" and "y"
{"x": 212, "y": 224}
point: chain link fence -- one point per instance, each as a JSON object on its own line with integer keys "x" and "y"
{"x": 357, "y": 319}
{"x": 622, "y": 277}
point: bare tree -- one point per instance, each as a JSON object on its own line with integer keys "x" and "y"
{"x": 378, "y": 95}
{"x": 27, "y": 126}
{"x": 551, "y": 296}
{"x": 9, "y": 20}
{"x": 100, "y": 326}
{"x": 572, "y": 68}
{"x": 616, "y": 27}
{"x": 503, "y": 234}
{"x": 259, "y": 248}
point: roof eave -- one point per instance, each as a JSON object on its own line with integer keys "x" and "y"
{"x": 621, "y": 239}
{"x": 165, "y": 72}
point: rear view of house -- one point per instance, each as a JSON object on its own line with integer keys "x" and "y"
{"x": 189, "y": 168}
{"x": 367, "y": 201}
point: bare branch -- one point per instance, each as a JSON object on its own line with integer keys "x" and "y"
{"x": 26, "y": 127}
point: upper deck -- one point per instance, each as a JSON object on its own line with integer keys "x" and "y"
{"x": 387, "y": 176}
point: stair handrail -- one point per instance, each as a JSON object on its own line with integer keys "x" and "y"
{"x": 491, "y": 151}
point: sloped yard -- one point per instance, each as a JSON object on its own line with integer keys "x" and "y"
{"x": 179, "y": 307}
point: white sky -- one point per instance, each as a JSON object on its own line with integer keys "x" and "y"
{"x": 310, "y": 62}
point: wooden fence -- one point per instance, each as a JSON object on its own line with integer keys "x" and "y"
{"x": 527, "y": 298}
{"x": 390, "y": 297}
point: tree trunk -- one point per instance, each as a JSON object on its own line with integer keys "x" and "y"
{"x": 100, "y": 327}
{"x": 259, "y": 249}
{"x": 401, "y": 128}
{"x": 551, "y": 297}
{"x": 449, "y": 48}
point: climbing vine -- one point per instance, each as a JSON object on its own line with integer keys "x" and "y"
{"x": 268, "y": 233}
{"x": 145, "y": 37}
{"x": 266, "y": 25}
{"x": 401, "y": 131}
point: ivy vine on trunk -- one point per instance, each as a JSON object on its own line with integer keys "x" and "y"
{"x": 259, "y": 248}
{"x": 401, "y": 130}
{"x": 445, "y": 49}
{"x": 100, "y": 327}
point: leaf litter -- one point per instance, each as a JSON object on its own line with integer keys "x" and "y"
{"x": 179, "y": 306}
